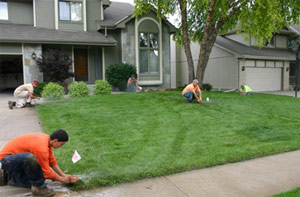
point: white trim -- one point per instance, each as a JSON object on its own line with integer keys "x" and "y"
{"x": 34, "y": 14}
{"x": 23, "y": 60}
{"x": 151, "y": 82}
{"x": 102, "y": 15}
{"x": 56, "y": 14}
{"x": 103, "y": 63}
{"x": 73, "y": 63}
{"x": 159, "y": 24}
{"x": 21, "y": 53}
{"x": 84, "y": 16}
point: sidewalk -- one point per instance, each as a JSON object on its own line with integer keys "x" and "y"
{"x": 258, "y": 177}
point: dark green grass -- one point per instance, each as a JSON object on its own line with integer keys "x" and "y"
{"x": 127, "y": 137}
{"x": 292, "y": 193}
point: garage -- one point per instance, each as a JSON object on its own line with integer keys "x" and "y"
{"x": 11, "y": 72}
{"x": 264, "y": 79}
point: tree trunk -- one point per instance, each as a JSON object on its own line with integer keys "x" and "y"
{"x": 208, "y": 40}
{"x": 186, "y": 40}
{"x": 205, "y": 50}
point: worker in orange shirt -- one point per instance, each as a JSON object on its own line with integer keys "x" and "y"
{"x": 26, "y": 161}
{"x": 190, "y": 92}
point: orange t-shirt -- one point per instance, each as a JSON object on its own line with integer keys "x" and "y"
{"x": 38, "y": 145}
{"x": 191, "y": 87}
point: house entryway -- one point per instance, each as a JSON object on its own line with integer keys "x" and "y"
{"x": 81, "y": 64}
{"x": 11, "y": 72}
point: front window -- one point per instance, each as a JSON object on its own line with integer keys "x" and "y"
{"x": 70, "y": 11}
{"x": 149, "y": 50}
{"x": 3, "y": 10}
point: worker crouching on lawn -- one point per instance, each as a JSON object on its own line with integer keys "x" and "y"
{"x": 24, "y": 94}
{"x": 245, "y": 90}
{"x": 26, "y": 160}
{"x": 190, "y": 92}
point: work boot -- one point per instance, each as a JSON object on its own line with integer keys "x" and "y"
{"x": 11, "y": 104}
{"x": 3, "y": 179}
{"x": 42, "y": 191}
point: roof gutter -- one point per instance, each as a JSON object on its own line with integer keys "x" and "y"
{"x": 58, "y": 42}
{"x": 266, "y": 57}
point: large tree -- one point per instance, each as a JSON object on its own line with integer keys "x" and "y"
{"x": 203, "y": 20}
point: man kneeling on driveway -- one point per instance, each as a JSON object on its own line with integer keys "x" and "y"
{"x": 25, "y": 161}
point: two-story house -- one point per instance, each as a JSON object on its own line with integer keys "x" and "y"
{"x": 96, "y": 34}
{"x": 235, "y": 61}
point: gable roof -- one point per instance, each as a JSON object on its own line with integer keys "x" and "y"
{"x": 30, "y": 34}
{"x": 115, "y": 13}
{"x": 119, "y": 12}
{"x": 251, "y": 52}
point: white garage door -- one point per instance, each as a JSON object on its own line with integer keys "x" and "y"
{"x": 263, "y": 79}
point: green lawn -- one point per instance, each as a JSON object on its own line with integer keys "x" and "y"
{"x": 292, "y": 193}
{"x": 127, "y": 137}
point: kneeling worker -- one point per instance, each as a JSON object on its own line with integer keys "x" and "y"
{"x": 25, "y": 161}
{"x": 24, "y": 94}
{"x": 190, "y": 90}
{"x": 245, "y": 90}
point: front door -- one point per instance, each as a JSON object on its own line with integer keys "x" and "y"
{"x": 81, "y": 64}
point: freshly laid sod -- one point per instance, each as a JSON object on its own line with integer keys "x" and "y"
{"x": 292, "y": 193}
{"x": 127, "y": 137}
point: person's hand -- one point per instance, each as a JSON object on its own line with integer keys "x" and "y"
{"x": 199, "y": 101}
{"x": 73, "y": 178}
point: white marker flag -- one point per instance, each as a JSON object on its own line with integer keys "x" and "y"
{"x": 76, "y": 157}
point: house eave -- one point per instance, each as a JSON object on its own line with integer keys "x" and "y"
{"x": 57, "y": 42}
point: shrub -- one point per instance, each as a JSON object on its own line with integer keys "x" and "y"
{"x": 53, "y": 91}
{"x": 38, "y": 90}
{"x": 206, "y": 87}
{"x": 118, "y": 74}
{"x": 78, "y": 89}
{"x": 55, "y": 65}
{"x": 102, "y": 87}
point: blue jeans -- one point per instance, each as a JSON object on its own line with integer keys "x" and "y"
{"x": 131, "y": 87}
{"x": 190, "y": 96}
{"x": 23, "y": 170}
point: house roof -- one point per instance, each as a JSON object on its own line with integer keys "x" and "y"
{"x": 252, "y": 52}
{"x": 30, "y": 34}
{"x": 116, "y": 13}
{"x": 295, "y": 28}
{"x": 119, "y": 12}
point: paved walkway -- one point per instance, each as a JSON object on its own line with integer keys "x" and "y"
{"x": 258, "y": 177}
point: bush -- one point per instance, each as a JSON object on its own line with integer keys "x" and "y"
{"x": 38, "y": 90}
{"x": 53, "y": 91}
{"x": 206, "y": 87}
{"x": 78, "y": 89}
{"x": 118, "y": 74}
{"x": 102, "y": 87}
{"x": 55, "y": 65}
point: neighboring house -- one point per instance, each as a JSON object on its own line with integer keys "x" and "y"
{"x": 96, "y": 34}
{"x": 235, "y": 61}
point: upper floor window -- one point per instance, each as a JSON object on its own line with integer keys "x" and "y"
{"x": 271, "y": 43}
{"x": 3, "y": 10}
{"x": 70, "y": 11}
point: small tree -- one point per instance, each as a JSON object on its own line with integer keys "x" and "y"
{"x": 56, "y": 65}
{"x": 118, "y": 74}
